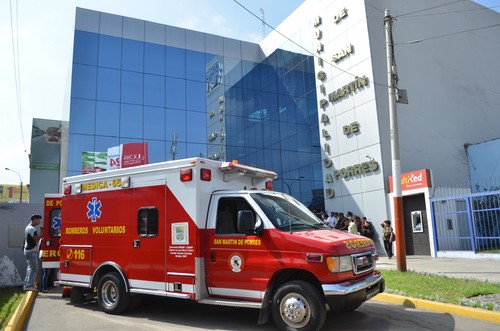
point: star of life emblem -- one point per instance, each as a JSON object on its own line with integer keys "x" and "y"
{"x": 94, "y": 209}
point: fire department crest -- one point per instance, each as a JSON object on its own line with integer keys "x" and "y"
{"x": 236, "y": 263}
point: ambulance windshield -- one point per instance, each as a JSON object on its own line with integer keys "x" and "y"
{"x": 286, "y": 213}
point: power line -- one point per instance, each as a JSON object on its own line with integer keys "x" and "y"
{"x": 453, "y": 12}
{"x": 448, "y": 34}
{"x": 17, "y": 73}
{"x": 300, "y": 46}
{"x": 434, "y": 7}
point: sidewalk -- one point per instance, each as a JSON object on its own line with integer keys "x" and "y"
{"x": 483, "y": 269}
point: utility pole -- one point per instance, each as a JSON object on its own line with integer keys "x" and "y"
{"x": 396, "y": 164}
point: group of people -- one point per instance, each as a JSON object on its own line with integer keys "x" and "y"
{"x": 31, "y": 249}
{"x": 348, "y": 222}
{"x": 359, "y": 225}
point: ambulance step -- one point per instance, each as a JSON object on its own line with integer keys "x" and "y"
{"x": 231, "y": 303}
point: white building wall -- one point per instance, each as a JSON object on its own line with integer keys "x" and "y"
{"x": 451, "y": 76}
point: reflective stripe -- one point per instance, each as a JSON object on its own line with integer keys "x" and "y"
{"x": 233, "y": 292}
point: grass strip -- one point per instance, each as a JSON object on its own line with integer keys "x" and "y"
{"x": 9, "y": 300}
{"x": 459, "y": 291}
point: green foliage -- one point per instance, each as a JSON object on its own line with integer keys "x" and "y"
{"x": 9, "y": 300}
{"x": 438, "y": 288}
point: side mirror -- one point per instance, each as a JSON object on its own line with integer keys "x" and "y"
{"x": 246, "y": 222}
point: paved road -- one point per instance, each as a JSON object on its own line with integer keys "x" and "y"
{"x": 51, "y": 312}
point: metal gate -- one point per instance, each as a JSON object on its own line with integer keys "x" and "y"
{"x": 468, "y": 222}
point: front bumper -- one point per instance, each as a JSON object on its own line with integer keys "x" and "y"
{"x": 350, "y": 294}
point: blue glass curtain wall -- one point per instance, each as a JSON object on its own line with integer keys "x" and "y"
{"x": 132, "y": 91}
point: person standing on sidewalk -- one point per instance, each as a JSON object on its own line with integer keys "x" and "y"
{"x": 387, "y": 236}
{"x": 32, "y": 236}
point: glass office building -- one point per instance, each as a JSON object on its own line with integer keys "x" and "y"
{"x": 188, "y": 93}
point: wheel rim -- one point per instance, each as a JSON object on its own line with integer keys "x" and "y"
{"x": 109, "y": 294}
{"x": 295, "y": 310}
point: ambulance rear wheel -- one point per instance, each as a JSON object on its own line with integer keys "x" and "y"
{"x": 112, "y": 295}
{"x": 298, "y": 306}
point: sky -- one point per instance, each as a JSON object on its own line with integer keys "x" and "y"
{"x": 39, "y": 43}
{"x": 36, "y": 40}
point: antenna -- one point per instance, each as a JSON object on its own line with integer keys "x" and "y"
{"x": 263, "y": 20}
{"x": 173, "y": 147}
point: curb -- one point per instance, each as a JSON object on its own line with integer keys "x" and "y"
{"x": 17, "y": 321}
{"x": 476, "y": 313}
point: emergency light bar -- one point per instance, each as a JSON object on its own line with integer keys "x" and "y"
{"x": 236, "y": 168}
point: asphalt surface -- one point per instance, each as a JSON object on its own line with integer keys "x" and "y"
{"x": 484, "y": 269}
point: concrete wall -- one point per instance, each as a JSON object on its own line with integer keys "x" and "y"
{"x": 13, "y": 220}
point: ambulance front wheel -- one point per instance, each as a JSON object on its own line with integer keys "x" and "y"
{"x": 298, "y": 306}
{"x": 112, "y": 295}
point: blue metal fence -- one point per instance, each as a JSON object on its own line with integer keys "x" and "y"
{"x": 469, "y": 222}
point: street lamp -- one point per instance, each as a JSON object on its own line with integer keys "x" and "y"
{"x": 291, "y": 184}
{"x": 21, "y": 181}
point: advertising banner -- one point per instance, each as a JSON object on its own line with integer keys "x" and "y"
{"x": 122, "y": 156}
{"x": 114, "y": 157}
{"x": 413, "y": 180}
{"x": 134, "y": 154}
{"x": 93, "y": 162}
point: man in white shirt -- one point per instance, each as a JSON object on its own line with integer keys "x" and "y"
{"x": 32, "y": 236}
{"x": 332, "y": 220}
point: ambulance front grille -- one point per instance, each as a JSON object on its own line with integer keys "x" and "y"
{"x": 363, "y": 262}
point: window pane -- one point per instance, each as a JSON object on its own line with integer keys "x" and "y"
{"x": 131, "y": 121}
{"x": 103, "y": 143}
{"x": 175, "y": 93}
{"x": 147, "y": 222}
{"x": 156, "y": 151}
{"x": 132, "y": 87}
{"x": 196, "y": 68}
{"x": 82, "y": 116}
{"x": 85, "y": 49}
{"x": 84, "y": 81}
{"x": 176, "y": 123}
{"x": 108, "y": 84}
{"x": 110, "y": 51}
{"x": 133, "y": 55}
{"x": 195, "y": 96}
{"x": 154, "y": 90}
{"x": 154, "y": 123}
{"x": 197, "y": 127}
{"x": 175, "y": 63}
{"x": 154, "y": 59}
{"x": 108, "y": 114}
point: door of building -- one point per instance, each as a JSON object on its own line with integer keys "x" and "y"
{"x": 416, "y": 226}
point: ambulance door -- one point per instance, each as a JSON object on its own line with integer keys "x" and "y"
{"x": 235, "y": 261}
{"x": 51, "y": 232}
{"x": 147, "y": 260}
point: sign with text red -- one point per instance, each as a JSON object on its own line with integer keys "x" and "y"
{"x": 413, "y": 180}
{"x": 134, "y": 154}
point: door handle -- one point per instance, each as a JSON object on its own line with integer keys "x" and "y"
{"x": 212, "y": 256}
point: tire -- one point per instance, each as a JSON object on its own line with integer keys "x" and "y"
{"x": 298, "y": 306}
{"x": 111, "y": 294}
{"x": 78, "y": 294}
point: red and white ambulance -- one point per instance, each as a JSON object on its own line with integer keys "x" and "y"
{"x": 213, "y": 232}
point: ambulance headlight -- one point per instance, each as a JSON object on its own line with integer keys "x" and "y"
{"x": 339, "y": 263}
{"x": 125, "y": 182}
